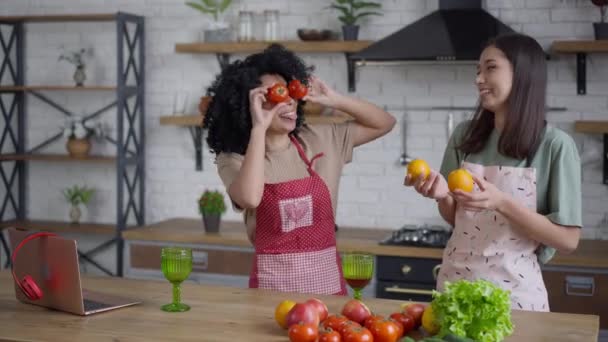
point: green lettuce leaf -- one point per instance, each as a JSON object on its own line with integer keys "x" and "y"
{"x": 478, "y": 310}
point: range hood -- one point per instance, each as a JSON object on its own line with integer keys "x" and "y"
{"x": 456, "y": 32}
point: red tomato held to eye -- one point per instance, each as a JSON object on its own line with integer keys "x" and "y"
{"x": 358, "y": 335}
{"x": 297, "y": 90}
{"x": 406, "y": 321}
{"x": 278, "y": 93}
{"x": 303, "y": 333}
{"x": 328, "y": 335}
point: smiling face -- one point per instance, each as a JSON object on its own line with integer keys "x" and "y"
{"x": 284, "y": 121}
{"x": 494, "y": 79}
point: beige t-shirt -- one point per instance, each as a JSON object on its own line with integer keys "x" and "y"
{"x": 334, "y": 140}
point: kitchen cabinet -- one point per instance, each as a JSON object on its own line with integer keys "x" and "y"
{"x": 578, "y": 290}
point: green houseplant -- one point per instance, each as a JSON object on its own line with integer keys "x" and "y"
{"x": 219, "y": 30}
{"x": 211, "y": 205}
{"x": 351, "y": 11}
{"x": 601, "y": 27}
{"x": 77, "y": 195}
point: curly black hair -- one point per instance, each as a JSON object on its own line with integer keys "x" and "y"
{"x": 228, "y": 118}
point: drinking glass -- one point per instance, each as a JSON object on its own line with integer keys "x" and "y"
{"x": 358, "y": 269}
{"x": 176, "y": 263}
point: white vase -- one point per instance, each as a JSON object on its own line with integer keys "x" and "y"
{"x": 75, "y": 214}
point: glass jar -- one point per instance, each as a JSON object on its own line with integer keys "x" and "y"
{"x": 271, "y": 25}
{"x": 245, "y": 32}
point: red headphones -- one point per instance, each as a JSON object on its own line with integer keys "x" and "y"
{"x": 29, "y": 287}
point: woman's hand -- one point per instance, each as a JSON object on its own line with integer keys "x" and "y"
{"x": 321, "y": 93}
{"x": 261, "y": 117}
{"x": 435, "y": 186}
{"x": 488, "y": 198}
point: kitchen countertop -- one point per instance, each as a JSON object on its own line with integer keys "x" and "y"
{"x": 589, "y": 254}
{"x": 218, "y": 314}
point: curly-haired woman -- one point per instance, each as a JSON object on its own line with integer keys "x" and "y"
{"x": 284, "y": 173}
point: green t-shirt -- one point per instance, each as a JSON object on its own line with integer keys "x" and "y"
{"x": 558, "y": 172}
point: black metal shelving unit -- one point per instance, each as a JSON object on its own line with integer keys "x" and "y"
{"x": 130, "y": 124}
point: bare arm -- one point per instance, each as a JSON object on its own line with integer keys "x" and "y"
{"x": 247, "y": 188}
{"x": 435, "y": 187}
{"x": 371, "y": 121}
{"x": 538, "y": 227}
{"x": 534, "y": 225}
{"x": 447, "y": 210}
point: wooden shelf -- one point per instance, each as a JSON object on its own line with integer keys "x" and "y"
{"x": 581, "y": 48}
{"x": 223, "y": 50}
{"x": 197, "y": 120}
{"x": 295, "y": 46}
{"x": 600, "y": 127}
{"x": 62, "y": 227}
{"x": 56, "y": 88}
{"x": 60, "y": 18}
{"x": 577, "y": 46}
{"x": 58, "y": 157}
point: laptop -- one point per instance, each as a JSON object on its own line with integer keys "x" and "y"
{"x": 53, "y": 264}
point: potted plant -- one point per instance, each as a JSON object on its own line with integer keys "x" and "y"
{"x": 351, "y": 12}
{"x": 219, "y": 30}
{"x": 77, "y": 59}
{"x": 211, "y": 205}
{"x": 78, "y": 132}
{"x": 77, "y": 195}
{"x": 601, "y": 28}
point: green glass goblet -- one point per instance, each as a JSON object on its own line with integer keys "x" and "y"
{"x": 358, "y": 270}
{"x": 176, "y": 263}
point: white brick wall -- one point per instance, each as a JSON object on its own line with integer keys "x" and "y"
{"x": 370, "y": 193}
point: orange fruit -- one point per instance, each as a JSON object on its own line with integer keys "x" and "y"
{"x": 460, "y": 179}
{"x": 280, "y": 313}
{"x": 417, "y": 168}
{"x": 429, "y": 321}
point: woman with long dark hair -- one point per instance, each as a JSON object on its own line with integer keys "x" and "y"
{"x": 282, "y": 172}
{"x": 527, "y": 175}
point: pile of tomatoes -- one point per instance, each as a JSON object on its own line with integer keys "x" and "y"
{"x": 311, "y": 322}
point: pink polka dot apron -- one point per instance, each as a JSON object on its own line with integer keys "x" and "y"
{"x": 484, "y": 245}
{"x": 295, "y": 241}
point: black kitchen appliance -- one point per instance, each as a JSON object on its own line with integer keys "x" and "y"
{"x": 410, "y": 278}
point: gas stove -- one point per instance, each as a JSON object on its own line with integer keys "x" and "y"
{"x": 419, "y": 236}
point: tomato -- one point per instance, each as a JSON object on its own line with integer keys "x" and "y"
{"x": 278, "y": 93}
{"x": 415, "y": 310}
{"x": 297, "y": 90}
{"x": 358, "y": 335}
{"x": 371, "y": 319}
{"x": 334, "y": 322}
{"x": 303, "y": 333}
{"x": 329, "y": 335}
{"x": 347, "y": 326}
{"x": 406, "y": 320}
{"x": 385, "y": 331}
{"x": 399, "y": 327}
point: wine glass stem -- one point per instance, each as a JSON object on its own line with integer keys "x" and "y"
{"x": 177, "y": 293}
{"x": 357, "y": 293}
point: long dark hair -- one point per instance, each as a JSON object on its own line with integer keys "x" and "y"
{"x": 228, "y": 117}
{"x": 525, "y": 118}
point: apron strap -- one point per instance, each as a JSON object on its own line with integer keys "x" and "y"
{"x": 310, "y": 163}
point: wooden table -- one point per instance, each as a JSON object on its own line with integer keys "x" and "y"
{"x": 218, "y": 314}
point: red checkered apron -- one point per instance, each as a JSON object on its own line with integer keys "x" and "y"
{"x": 295, "y": 241}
